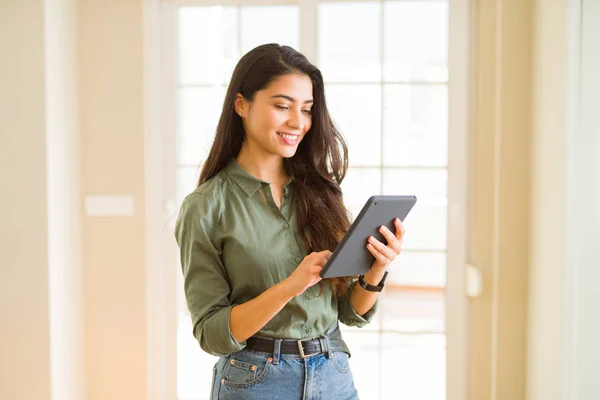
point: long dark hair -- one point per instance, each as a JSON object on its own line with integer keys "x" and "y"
{"x": 320, "y": 162}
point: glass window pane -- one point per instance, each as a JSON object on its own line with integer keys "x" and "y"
{"x": 365, "y": 362}
{"x": 356, "y": 111}
{"x": 412, "y": 311}
{"x": 199, "y": 112}
{"x": 276, "y": 24}
{"x": 349, "y": 41}
{"x": 413, "y": 268}
{"x": 415, "y": 125}
{"x": 414, "y": 367}
{"x": 208, "y": 51}
{"x": 426, "y": 226}
{"x": 358, "y": 186}
{"x": 430, "y": 183}
{"x": 187, "y": 181}
{"x": 194, "y": 366}
{"x": 416, "y": 41}
{"x": 426, "y": 223}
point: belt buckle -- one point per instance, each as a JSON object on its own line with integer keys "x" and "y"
{"x": 301, "y": 350}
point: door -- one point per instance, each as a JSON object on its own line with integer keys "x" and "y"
{"x": 388, "y": 72}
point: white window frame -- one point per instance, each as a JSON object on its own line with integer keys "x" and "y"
{"x": 160, "y": 117}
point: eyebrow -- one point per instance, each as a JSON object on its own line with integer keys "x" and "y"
{"x": 283, "y": 96}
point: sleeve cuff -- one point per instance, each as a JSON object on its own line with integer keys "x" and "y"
{"x": 349, "y": 316}
{"x": 214, "y": 334}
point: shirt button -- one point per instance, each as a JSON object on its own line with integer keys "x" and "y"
{"x": 308, "y": 296}
{"x": 297, "y": 259}
{"x": 285, "y": 226}
{"x": 308, "y": 330}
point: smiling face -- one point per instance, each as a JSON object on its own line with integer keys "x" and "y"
{"x": 279, "y": 117}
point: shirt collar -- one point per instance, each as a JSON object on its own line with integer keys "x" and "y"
{"x": 245, "y": 180}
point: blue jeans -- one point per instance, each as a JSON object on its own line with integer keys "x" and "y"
{"x": 249, "y": 374}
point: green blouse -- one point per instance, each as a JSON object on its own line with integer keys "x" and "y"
{"x": 235, "y": 243}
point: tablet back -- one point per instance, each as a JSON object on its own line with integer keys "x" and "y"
{"x": 351, "y": 256}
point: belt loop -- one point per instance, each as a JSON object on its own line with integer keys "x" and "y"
{"x": 276, "y": 351}
{"x": 326, "y": 346}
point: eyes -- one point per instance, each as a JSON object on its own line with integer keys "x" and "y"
{"x": 286, "y": 108}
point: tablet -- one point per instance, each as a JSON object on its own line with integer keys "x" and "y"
{"x": 351, "y": 256}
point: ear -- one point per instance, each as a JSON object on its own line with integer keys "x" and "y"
{"x": 241, "y": 105}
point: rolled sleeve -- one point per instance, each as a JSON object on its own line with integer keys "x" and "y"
{"x": 347, "y": 314}
{"x": 206, "y": 286}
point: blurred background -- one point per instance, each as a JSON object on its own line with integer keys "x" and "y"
{"x": 484, "y": 109}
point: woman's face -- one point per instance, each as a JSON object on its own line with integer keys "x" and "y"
{"x": 280, "y": 115}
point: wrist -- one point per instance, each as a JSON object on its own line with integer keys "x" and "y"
{"x": 374, "y": 276}
{"x": 285, "y": 288}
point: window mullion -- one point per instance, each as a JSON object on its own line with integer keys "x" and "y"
{"x": 309, "y": 26}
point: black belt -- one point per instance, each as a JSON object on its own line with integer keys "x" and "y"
{"x": 303, "y": 347}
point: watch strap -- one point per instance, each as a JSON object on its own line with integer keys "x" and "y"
{"x": 371, "y": 288}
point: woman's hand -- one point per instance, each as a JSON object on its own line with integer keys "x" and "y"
{"x": 383, "y": 254}
{"x": 307, "y": 273}
{"x": 251, "y": 316}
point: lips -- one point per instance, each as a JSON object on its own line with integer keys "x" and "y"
{"x": 288, "y": 135}
{"x": 288, "y": 138}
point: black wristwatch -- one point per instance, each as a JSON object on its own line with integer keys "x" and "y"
{"x": 371, "y": 288}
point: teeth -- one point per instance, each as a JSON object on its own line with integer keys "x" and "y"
{"x": 290, "y": 137}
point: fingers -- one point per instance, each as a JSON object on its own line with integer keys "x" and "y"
{"x": 321, "y": 261}
{"x": 386, "y": 251}
{"x": 325, "y": 253}
{"x": 321, "y": 257}
{"x": 315, "y": 273}
{"x": 379, "y": 257}
{"x": 386, "y": 254}
{"x": 399, "y": 228}
{"x": 393, "y": 242}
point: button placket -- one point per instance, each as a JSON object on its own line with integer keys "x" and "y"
{"x": 268, "y": 194}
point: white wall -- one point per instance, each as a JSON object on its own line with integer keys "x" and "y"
{"x": 24, "y": 330}
{"x": 40, "y": 233}
{"x": 72, "y": 290}
{"x": 111, "y": 71}
{"x": 582, "y": 345}
{"x": 563, "y": 347}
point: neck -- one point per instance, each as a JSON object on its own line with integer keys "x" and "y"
{"x": 267, "y": 167}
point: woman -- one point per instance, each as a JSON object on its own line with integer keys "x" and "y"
{"x": 258, "y": 229}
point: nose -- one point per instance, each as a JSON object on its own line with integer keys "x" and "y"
{"x": 295, "y": 120}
